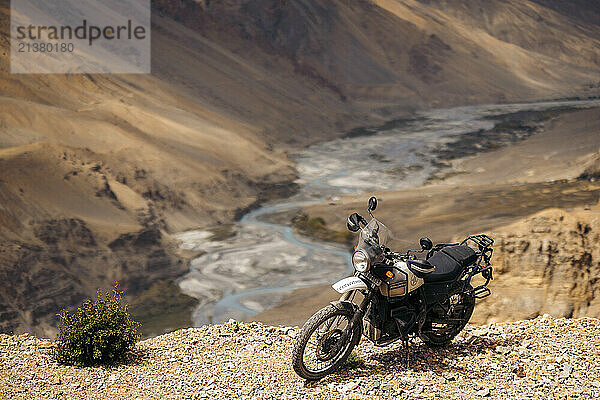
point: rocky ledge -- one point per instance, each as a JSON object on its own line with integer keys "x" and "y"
{"x": 540, "y": 358}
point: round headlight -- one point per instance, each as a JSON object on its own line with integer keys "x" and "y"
{"x": 360, "y": 260}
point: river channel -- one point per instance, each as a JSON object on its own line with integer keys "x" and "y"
{"x": 263, "y": 261}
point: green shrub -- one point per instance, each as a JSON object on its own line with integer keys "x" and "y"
{"x": 354, "y": 361}
{"x": 98, "y": 332}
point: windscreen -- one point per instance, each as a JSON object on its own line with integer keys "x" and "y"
{"x": 377, "y": 230}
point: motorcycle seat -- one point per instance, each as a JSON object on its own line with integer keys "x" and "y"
{"x": 450, "y": 262}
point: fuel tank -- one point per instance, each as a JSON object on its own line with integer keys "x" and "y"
{"x": 397, "y": 280}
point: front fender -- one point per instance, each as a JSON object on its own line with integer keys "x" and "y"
{"x": 356, "y": 323}
{"x": 349, "y": 284}
{"x": 345, "y": 306}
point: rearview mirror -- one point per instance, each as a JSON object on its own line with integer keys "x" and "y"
{"x": 352, "y": 223}
{"x": 372, "y": 203}
{"x": 426, "y": 243}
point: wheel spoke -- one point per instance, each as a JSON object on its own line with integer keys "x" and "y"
{"x": 443, "y": 329}
{"x": 318, "y": 354}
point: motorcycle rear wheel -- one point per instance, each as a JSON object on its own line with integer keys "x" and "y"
{"x": 436, "y": 333}
{"x": 318, "y": 350}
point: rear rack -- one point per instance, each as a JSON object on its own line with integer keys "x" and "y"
{"x": 482, "y": 241}
{"x": 482, "y": 266}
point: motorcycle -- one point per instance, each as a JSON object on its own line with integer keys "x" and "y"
{"x": 394, "y": 296}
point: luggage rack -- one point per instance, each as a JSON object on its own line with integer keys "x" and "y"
{"x": 482, "y": 266}
{"x": 482, "y": 241}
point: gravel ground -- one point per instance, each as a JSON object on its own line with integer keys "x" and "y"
{"x": 536, "y": 359}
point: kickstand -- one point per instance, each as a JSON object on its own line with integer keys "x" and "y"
{"x": 406, "y": 344}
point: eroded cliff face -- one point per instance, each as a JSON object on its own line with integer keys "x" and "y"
{"x": 547, "y": 263}
{"x": 61, "y": 268}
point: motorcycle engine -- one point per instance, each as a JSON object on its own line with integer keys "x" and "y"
{"x": 385, "y": 319}
{"x": 404, "y": 316}
{"x": 371, "y": 331}
{"x": 373, "y": 323}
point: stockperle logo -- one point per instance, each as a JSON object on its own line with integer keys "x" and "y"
{"x": 80, "y": 36}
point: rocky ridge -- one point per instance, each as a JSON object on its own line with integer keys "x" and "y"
{"x": 539, "y": 358}
{"x": 546, "y": 263}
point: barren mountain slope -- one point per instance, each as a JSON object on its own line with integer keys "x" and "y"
{"x": 111, "y": 156}
{"x": 235, "y": 85}
{"x": 584, "y": 10}
{"x": 539, "y": 48}
{"x": 387, "y": 54}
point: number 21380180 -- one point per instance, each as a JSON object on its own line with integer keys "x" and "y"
{"x": 44, "y": 47}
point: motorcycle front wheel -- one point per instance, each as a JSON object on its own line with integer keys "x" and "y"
{"x": 320, "y": 348}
